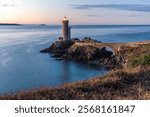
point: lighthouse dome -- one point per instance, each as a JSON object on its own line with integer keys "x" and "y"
{"x": 65, "y": 20}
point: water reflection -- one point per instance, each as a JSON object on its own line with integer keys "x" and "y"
{"x": 65, "y": 71}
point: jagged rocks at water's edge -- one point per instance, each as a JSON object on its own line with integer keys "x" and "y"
{"x": 70, "y": 50}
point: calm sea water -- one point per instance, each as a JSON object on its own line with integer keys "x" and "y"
{"x": 23, "y": 67}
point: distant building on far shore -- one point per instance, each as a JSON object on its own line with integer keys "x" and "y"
{"x": 66, "y": 30}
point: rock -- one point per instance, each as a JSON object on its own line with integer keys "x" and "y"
{"x": 76, "y": 40}
{"x": 88, "y": 53}
{"x": 59, "y": 59}
{"x": 115, "y": 61}
{"x": 57, "y": 55}
{"x": 45, "y": 50}
{"x": 59, "y": 46}
{"x": 89, "y": 40}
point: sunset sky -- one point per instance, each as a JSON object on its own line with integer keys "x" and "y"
{"x": 78, "y": 11}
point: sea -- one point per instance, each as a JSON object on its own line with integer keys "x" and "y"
{"x": 23, "y": 67}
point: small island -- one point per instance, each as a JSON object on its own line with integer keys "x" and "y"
{"x": 128, "y": 64}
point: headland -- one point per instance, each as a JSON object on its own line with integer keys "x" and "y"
{"x": 129, "y": 77}
{"x": 86, "y": 50}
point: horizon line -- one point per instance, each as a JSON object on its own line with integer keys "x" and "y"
{"x": 70, "y": 24}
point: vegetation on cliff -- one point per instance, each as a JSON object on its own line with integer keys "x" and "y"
{"x": 140, "y": 60}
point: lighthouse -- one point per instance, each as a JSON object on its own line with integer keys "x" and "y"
{"x": 66, "y": 30}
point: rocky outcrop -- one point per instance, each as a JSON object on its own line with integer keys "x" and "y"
{"x": 86, "y": 53}
{"x": 89, "y": 40}
{"x": 89, "y": 54}
{"x": 58, "y": 46}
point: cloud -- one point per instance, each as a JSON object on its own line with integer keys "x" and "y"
{"x": 94, "y": 15}
{"x": 7, "y": 5}
{"x": 130, "y": 7}
{"x": 136, "y": 15}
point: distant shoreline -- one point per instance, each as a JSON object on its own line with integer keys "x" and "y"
{"x": 9, "y": 24}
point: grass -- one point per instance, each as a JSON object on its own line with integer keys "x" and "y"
{"x": 140, "y": 60}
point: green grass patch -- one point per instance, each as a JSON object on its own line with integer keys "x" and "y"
{"x": 140, "y": 60}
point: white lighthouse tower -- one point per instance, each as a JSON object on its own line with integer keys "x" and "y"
{"x": 66, "y": 30}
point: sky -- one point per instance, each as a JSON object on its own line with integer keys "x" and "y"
{"x": 77, "y": 11}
